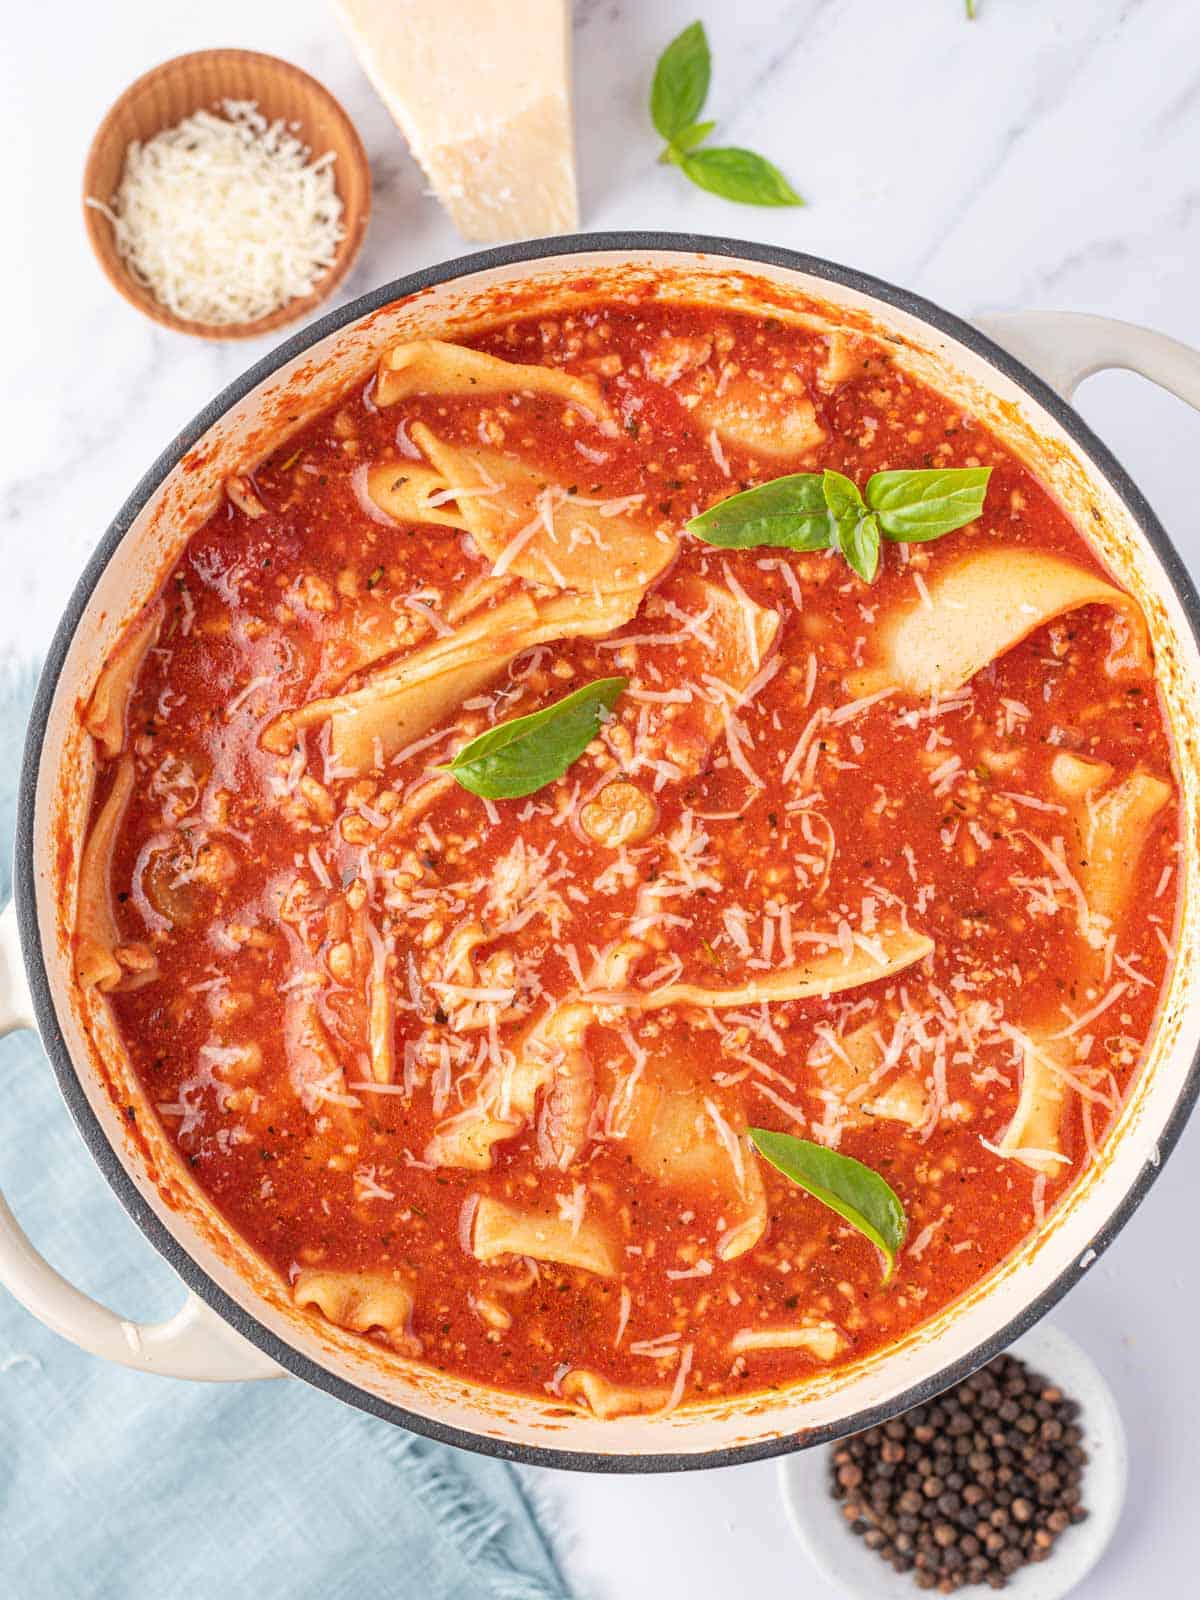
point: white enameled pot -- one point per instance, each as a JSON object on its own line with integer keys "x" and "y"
{"x": 237, "y": 1320}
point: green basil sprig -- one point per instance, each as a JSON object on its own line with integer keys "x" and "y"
{"x": 677, "y": 98}
{"x": 849, "y": 1187}
{"x": 522, "y": 755}
{"x": 853, "y": 528}
{"x": 826, "y": 510}
{"x": 916, "y": 506}
{"x": 681, "y": 81}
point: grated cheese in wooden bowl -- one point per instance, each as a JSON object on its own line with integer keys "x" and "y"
{"x": 224, "y": 218}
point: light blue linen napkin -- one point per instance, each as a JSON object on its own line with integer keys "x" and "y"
{"x": 119, "y": 1486}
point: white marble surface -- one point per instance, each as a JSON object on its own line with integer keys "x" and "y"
{"x": 1045, "y": 155}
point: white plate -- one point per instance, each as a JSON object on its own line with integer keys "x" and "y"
{"x": 846, "y": 1563}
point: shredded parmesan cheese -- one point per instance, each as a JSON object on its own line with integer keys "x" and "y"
{"x": 681, "y": 1377}
{"x": 223, "y": 217}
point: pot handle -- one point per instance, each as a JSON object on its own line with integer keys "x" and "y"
{"x": 194, "y": 1343}
{"x": 1065, "y": 347}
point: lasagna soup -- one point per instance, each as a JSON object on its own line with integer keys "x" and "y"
{"x": 474, "y": 1038}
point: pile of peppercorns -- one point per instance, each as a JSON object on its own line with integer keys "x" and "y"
{"x": 971, "y": 1487}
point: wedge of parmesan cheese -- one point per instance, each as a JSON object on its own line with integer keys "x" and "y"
{"x": 482, "y": 93}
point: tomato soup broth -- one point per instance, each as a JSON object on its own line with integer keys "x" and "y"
{"x": 886, "y": 866}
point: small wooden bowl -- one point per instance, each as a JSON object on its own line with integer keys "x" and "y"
{"x": 168, "y": 93}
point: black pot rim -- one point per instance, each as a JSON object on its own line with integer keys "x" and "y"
{"x": 25, "y": 874}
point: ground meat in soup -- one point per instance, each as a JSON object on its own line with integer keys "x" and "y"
{"x": 406, "y": 1038}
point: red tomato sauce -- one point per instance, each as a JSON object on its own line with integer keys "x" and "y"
{"x": 240, "y": 887}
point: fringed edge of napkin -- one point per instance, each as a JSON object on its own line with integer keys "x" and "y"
{"x": 476, "y": 1526}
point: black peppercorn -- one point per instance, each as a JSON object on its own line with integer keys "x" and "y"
{"x": 970, "y": 1488}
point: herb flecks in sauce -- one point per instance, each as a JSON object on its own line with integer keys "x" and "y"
{"x": 333, "y": 952}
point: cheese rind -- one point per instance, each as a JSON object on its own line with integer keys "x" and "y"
{"x": 482, "y": 94}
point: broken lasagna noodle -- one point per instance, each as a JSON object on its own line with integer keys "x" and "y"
{"x": 891, "y": 867}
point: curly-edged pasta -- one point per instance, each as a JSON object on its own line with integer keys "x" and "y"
{"x": 363, "y": 1302}
{"x": 485, "y": 864}
{"x": 509, "y": 1230}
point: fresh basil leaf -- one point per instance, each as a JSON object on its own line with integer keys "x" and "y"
{"x": 790, "y": 512}
{"x": 688, "y": 138}
{"x": 855, "y": 529}
{"x": 739, "y": 175}
{"x": 812, "y": 511}
{"x": 859, "y": 543}
{"x": 523, "y": 755}
{"x": 681, "y": 80}
{"x": 916, "y": 506}
{"x": 841, "y": 495}
{"x": 849, "y": 1187}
